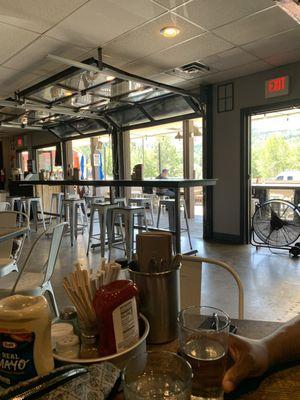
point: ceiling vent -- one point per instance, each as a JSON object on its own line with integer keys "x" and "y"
{"x": 190, "y": 71}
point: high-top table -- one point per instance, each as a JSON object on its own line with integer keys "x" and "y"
{"x": 173, "y": 184}
{"x": 279, "y": 384}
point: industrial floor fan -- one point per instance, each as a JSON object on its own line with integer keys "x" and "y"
{"x": 276, "y": 225}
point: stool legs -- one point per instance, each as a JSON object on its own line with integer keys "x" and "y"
{"x": 42, "y": 213}
{"x": 102, "y": 224}
{"x": 187, "y": 224}
{"x": 91, "y": 230}
{"x": 71, "y": 223}
{"x": 151, "y": 211}
{"x": 158, "y": 215}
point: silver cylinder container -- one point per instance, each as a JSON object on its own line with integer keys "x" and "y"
{"x": 159, "y": 302}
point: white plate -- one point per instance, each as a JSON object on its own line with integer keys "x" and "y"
{"x": 113, "y": 357}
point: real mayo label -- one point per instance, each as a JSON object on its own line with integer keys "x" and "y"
{"x": 25, "y": 341}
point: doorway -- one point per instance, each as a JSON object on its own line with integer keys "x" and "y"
{"x": 270, "y": 159}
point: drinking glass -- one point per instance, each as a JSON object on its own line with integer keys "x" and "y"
{"x": 157, "y": 375}
{"x": 203, "y": 339}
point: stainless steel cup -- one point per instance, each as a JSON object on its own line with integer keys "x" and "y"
{"x": 159, "y": 302}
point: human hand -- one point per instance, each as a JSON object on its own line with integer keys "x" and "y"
{"x": 250, "y": 360}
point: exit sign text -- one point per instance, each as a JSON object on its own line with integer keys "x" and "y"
{"x": 277, "y": 87}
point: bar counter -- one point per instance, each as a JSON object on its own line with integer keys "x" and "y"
{"x": 174, "y": 184}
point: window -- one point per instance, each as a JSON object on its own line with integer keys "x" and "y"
{"x": 156, "y": 148}
{"x": 46, "y": 161}
{"x": 225, "y": 97}
{"x": 93, "y": 157}
{"x": 23, "y": 160}
{"x": 289, "y": 178}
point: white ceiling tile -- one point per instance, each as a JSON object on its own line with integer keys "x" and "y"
{"x": 170, "y": 3}
{"x": 223, "y": 76}
{"x": 34, "y": 57}
{"x": 36, "y": 15}
{"x": 228, "y": 59}
{"x": 284, "y": 57}
{"x": 12, "y": 40}
{"x": 193, "y": 50}
{"x": 211, "y": 14}
{"x": 12, "y": 80}
{"x": 147, "y": 39}
{"x": 142, "y": 69}
{"x": 98, "y": 22}
{"x": 237, "y": 72}
{"x": 167, "y": 79}
{"x": 108, "y": 58}
{"x": 271, "y": 46}
{"x": 257, "y": 26}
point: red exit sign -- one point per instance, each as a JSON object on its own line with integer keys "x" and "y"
{"x": 277, "y": 86}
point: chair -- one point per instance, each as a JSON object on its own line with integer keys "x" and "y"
{"x": 104, "y": 218}
{"x": 143, "y": 202}
{"x": 127, "y": 213}
{"x": 10, "y": 249}
{"x": 4, "y": 206}
{"x": 15, "y": 202}
{"x": 33, "y": 204}
{"x": 55, "y": 203}
{"x": 36, "y": 283}
{"x": 170, "y": 206}
{"x": 73, "y": 209}
{"x": 190, "y": 281}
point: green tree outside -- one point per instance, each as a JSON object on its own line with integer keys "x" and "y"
{"x": 274, "y": 155}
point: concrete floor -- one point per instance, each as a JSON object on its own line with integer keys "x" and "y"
{"x": 271, "y": 281}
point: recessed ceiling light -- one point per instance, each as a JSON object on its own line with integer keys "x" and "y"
{"x": 170, "y": 31}
{"x": 110, "y": 78}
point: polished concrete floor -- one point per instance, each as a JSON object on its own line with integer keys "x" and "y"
{"x": 271, "y": 281}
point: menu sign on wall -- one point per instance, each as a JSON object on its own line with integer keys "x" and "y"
{"x": 277, "y": 87}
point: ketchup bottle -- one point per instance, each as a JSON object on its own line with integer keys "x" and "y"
{"x": 117, "y": 317}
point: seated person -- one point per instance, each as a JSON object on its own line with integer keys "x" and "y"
{"x": 160, "y": 191}
{"x": 253, "y": 358}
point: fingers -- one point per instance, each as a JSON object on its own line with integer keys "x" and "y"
{"x": 239, "y": 371}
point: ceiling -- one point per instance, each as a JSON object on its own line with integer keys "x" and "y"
{"x": 232, "y": 37}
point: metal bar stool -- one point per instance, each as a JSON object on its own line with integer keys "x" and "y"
{"x": 32, "y": 204}
{"x": 170, "y": 207}
{"x": 13, "y": 200}
{"x": 57, "y": 198}
{"x": 128, "y": 213}
{"x": 71, "y": 208}
{"x": 144, "y": 202}
{"x": 121, "y": 201}
{"x": 105, "y": 224}
{"x": 93, "y": 199}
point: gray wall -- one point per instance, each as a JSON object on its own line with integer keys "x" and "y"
{"x": 248, "y": 92}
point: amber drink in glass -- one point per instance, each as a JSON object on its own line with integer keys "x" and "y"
{"x": 203, "y": 339}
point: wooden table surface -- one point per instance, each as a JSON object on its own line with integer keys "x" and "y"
{"x": 283, "y": 384}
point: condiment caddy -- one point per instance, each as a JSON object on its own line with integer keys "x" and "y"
{"x": 107, "y": 312}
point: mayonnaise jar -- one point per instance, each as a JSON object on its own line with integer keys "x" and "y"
{"x": 25, "y": 339}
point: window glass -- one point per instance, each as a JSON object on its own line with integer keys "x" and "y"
{"x": 23, "y": 159}
{"x": 93, "y": 157}
{"x": 156, "y": 148}
{"x": 46, "y": 162}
